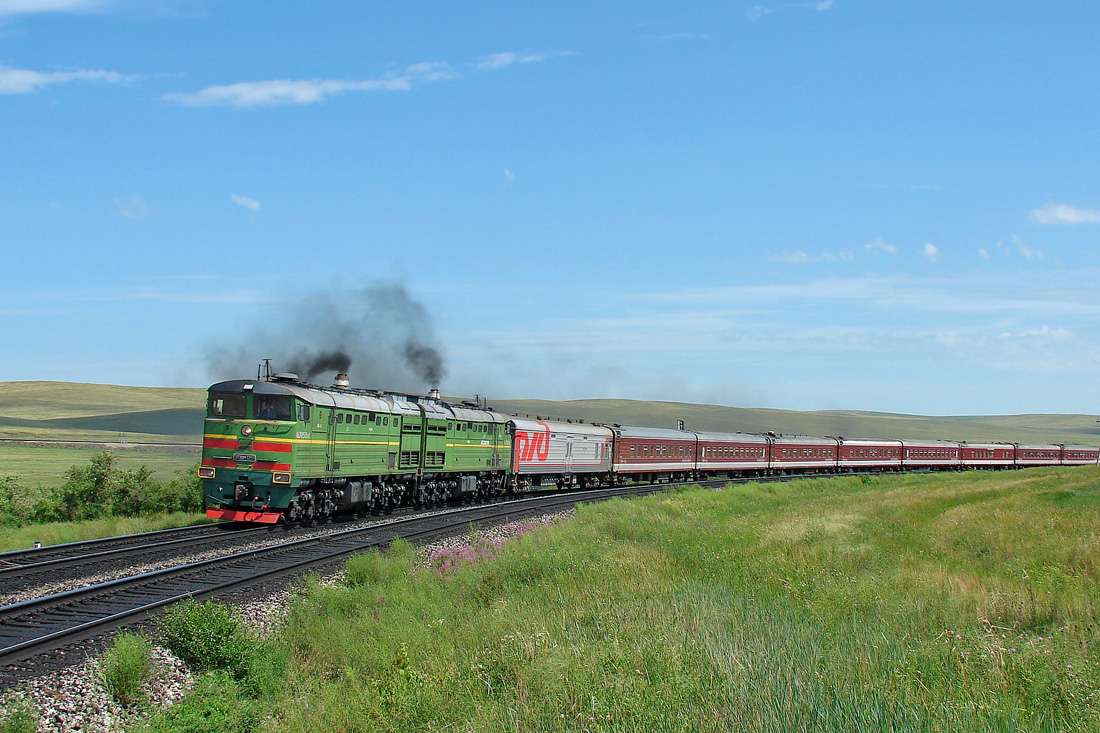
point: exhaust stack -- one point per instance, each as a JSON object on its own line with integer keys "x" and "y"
{"x": 341, "y": 380}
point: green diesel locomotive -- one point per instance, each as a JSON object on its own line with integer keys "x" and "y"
{"x": 281, "y": 449}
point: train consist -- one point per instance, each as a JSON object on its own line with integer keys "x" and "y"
{"x": 278, "y": 449}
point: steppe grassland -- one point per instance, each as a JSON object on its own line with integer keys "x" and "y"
{"x": 45, "y": 465}
{"x": 56, "y": 533}
{"x": 947, "y": 602}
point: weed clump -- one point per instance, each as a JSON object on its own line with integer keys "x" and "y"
{"x": 208, "y": 636}
{"x": 125, "y": 667}
{"x": 215, "y": 703}
{"x": 20, "y": 717}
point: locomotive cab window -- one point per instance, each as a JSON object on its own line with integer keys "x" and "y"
{"x": 303, "y": 413}
{"x": 273, "y": 407}
{"x": 227, "y": 405}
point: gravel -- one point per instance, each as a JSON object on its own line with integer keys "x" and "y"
{"x": 73, "y": 700}
{"x": 83, "y": 581}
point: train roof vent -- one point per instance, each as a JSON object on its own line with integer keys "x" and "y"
{"x": 284, "y": 377}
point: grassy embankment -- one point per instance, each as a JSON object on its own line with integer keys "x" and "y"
{"x": 915, "y": 603}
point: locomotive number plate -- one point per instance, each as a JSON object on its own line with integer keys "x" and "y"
{"x": 244, "y": 458}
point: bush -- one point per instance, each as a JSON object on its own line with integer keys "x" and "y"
{"x": 20, "y": 717}
{"x": 125, "y": 666}
{"x": 214, "y": 705}
{"x": 208, "y": 636}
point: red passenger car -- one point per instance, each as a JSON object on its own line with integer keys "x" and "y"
{"x": 653, "y": 454}
{"x": 869, "y": 454}
{"x": 987, "y": 455}
{"x": 1038, "y": 455}
{"x": 939, "y": 454}
{"x": 803, "y": 453}
{"x": 1080, "y": 455}
{"x": 732, "y": 454}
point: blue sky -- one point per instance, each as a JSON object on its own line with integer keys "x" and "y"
{"x": 807, "y": 205}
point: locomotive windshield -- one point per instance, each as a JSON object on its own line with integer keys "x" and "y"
{"x": 272, "y": 407}
{"x": 227, "y": 405}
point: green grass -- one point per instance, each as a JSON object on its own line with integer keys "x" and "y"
{"x": 71, "y": 411}
{"x": 45, "y": 465}
{"x": 918, "y": 603}
{"x": 53, "y": 533}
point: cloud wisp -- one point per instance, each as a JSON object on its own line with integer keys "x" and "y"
{"x": 1064, "y": 214}
{"x": 25, "y": 81}
{"x": 278, "y": 92}
{"x": 248, "y": 203}
{"x": 930, "y": 252}
{"x": 27, "y": 7}
{"x": 802, "y": 258}
{"x": 881, "y": 246}
{"x": 503, "y": 60}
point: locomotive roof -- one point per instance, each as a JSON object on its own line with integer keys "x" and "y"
{"x": 394, "y": 404}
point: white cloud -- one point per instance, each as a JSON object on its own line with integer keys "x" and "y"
{"x": 984, "y": 253}
{"x": 800, "y": 257}
{"x": 1025, "y": 249}
{"x": 1046, "y": 332}
{"x": 505, "y": 59}
{"x": 307, "y": 91}
{"x": 25, "y": 81}
{"x": 878, "y": 244}
{"x": 825, "y": 5}
{"x": 509, "y": 176}
{"x": 759, "y": 11}
{"x": 930, "y": 252}
{"x": 133, "y": 207}
{"x": 1064, "y": 214}
{"x": 14, "y": 7}
{"x": 251, "y": 204}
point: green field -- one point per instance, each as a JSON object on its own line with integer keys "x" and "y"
{"x": 954, "y": 602}
{"x": 45, "y": 465}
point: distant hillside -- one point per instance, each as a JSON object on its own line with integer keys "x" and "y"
{"x": 850, "y": 424}
{"x": 71, "y": 411}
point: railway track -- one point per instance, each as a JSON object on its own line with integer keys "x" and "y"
{"x": 16, "y": 559}
{"x": 45, "y": 624}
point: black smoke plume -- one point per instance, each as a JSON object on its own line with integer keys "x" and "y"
{"x": 307, "y": 366}
{"x": 379, "y": 335}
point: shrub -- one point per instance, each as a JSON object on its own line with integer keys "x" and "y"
{"x": 20, "y": 717}
{"x": 181, "y": 493}
{"x": 208, "y": 636}
{"x": 125, "y": 666}
{"x": 214, "y": 705}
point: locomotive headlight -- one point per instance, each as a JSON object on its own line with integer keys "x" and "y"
{"x": 280, "y": 478}
{"x": 206, "y": 472}
{"x": 246, "y": 430}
